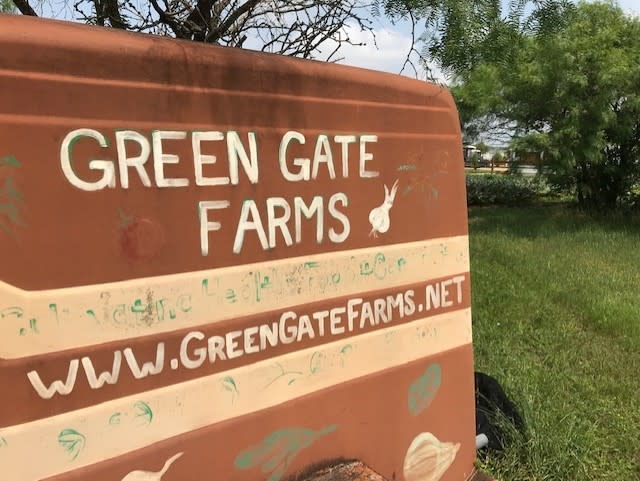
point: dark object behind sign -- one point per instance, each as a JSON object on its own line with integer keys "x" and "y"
{"x": 493, "y": 408}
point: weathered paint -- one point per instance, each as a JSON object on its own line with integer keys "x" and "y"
{"x": 215, "y": 260}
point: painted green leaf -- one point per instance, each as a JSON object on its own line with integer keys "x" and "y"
{"x": 72, "y": 441}
{"x": 114, "y": 419}
{"x": 10, "y": 189}
{"x": 143, "y": 411}
{"x": 276, "y": 461}
{"x": 278, "y": 449}
{"x": 10, "y": 160}
{"x": 423, "y": 390}
{"x": 277, "y": 474}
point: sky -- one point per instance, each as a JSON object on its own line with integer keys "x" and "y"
{"x": 394, "y": 41}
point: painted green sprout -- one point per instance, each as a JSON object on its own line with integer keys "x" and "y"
{"x": 229, "y": 384}
{"x": 143, "y": 411}
{"x": 72, "y": 441}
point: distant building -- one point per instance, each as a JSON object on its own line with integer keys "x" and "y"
{"x": 468, "y": 151}
{"x": 484, "y": 160}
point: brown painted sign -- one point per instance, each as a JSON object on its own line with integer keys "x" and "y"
{"x": 224, "y": 264}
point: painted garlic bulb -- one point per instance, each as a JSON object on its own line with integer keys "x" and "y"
{"x": 150, "y": 475}
{"x": 427, "y": 458}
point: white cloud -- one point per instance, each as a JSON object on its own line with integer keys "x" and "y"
{"x": 388, "y": 52}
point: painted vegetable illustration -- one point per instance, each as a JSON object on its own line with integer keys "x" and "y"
{"x": 277, "y": 450}
{"x": 427, "y": 458}
{"x": 423, "y": 390}
{"x": 379, "y": 216}
{"x": 150, "y": 475}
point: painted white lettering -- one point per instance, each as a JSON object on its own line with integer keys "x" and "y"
{"x": 205, "y": 226}
{"x": 236, "y": 152}
{"x": 268, "y": 334}
{"x": 278, "y": 222}
{"x": 250, "y": 346}
{"x": 344, "y": 141}
{"x": 287, "y": 334}
{"x": 60, "y": 387}
{"x": 200, "y": 353}
{"x": 335, "y": 318}
{"x": 108, "y": 377}
{"x": 137, "y": 161}
{"x": 216, "y": 348}
{"x": 379, "y": 311}
{"x": 351, "y": 311}
{"x": 366, "y": 314}
{"x": 339, "y": 216}
{"x": 409, "y": 303}
{"x": 458, "y": 282}
{"x": 444, "y": 291}
{"x": 305, "y": 328}
{"x": 147, "y": 368}
{"x": 249, "y": 209}
{"x": 323, "y": 155}
{"x": 160, "y": 158}
{"x": 199, "y": 159}
{"x": 366, "y": 156}
{"x": 395, "y": 302}
{"x": 108, "y": 178}
{"x": 320, "y": 317}
{"x": 233, "y": 346}
{"x": 300, "y": 209}
{"x": 303, "y": 164}
{"x": 433, "y": 296}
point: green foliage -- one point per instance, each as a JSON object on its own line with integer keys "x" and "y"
{"x": 571, "y": 92}
{"x": 460, "y": 34}
{"x": 501, "y": 189}
{"x": 7, "y": 6}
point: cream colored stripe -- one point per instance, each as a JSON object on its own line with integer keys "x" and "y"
{"x": 38, "y": 322}
{"x": 37, "y": 449}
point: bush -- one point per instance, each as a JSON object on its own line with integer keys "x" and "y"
{"x": 501, "y": 189}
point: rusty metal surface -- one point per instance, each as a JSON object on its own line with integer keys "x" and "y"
{"x": 229, "y": 261}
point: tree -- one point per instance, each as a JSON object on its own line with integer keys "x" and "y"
{"x": 497, "y": 159}
{"x": 6, "y": 6}
{"x": 574, "y": 94}
{"x": 461, "y": 34}
{"x": 296, "y": 27}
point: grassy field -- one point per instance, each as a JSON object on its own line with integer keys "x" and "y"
{"x": 556, "y": 299}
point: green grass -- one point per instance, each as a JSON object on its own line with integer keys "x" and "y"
{"x": 556, "y": 299}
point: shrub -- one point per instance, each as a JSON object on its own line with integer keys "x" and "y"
{"x": 501, "y": 189}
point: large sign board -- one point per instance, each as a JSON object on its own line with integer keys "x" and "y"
{"x": 223, "y": 264}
